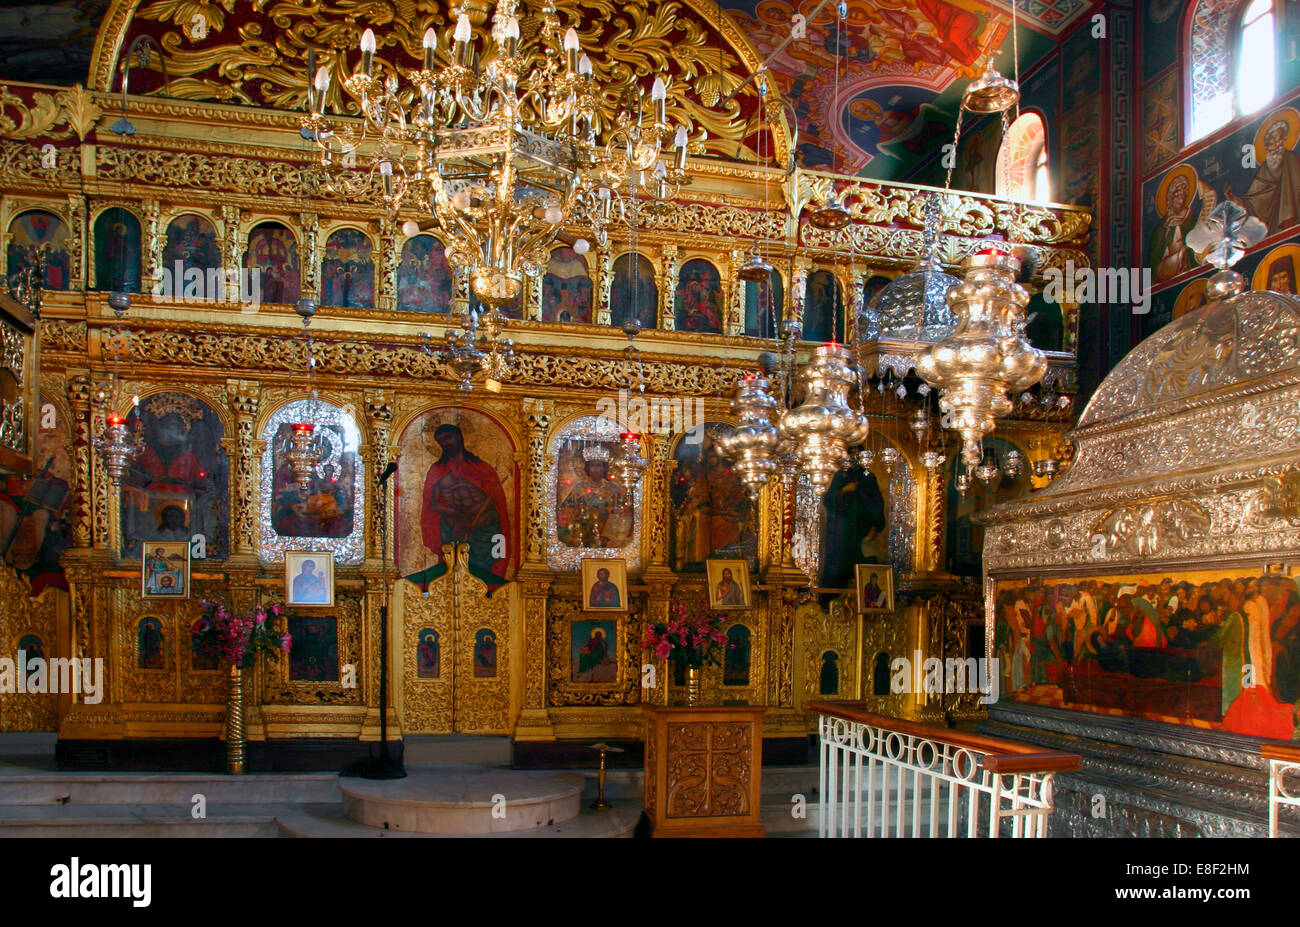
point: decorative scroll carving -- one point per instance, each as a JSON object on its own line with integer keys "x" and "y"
{"x": 537, "y": 413}
{"x": 709, "y": 768}
{"x": 624, "y": 690}
{"x": 244, "y": 397}
{"x": 1152, "y": 529}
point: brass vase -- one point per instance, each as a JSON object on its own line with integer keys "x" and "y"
{"x": 693, "y": 685}
{"x": 235, "y": 722}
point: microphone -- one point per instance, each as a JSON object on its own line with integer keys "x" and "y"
{"x": 388, "y": 471}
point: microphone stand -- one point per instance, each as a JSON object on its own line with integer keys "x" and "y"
{"x": 383, "y": 767}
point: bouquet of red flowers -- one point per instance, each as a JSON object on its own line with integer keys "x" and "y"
{"x": 238, "y": 639}
{"x": 691, "y": 636}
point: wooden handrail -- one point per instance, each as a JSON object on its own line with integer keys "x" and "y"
{"x": 1281, "y": 751}
{"x": 1004, "y": 756}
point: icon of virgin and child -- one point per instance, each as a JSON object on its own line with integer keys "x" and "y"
{"x": 464, "y": 502}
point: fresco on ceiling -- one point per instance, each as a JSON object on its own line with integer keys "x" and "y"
{"x": 117, "y": 250}
{"x": 698, "y": 299}
{"x": 347, "y": 274}
{"x": 1177, "y": 202}
{"x": 273, "y": 252}
{"x": 35, "y": 525}
{"x": 49, "y": 43}
{"x": 633, "y": 290}
{"x": 712, "y": 515}
{"x": 566, "y": 288}
{"x": 458, "y": 484}
{"x": 38, "y": 232}
{"x": 178, "y": 485}
{"x": 424, "y": 281}
{"x": 895, "y": 121}
{"x": 1170, "y": 646}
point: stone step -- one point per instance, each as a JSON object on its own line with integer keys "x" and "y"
{"x": 142, "y": 788}
{"x": 617, "y": 821}
{"x": 126, "y": 820}
{"x": 448, "y": 801}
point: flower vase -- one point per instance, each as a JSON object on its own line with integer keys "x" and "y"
{"x": 235, "y": 722}
{"x": 693, "y": 685}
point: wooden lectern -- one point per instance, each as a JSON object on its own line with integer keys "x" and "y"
{"x": 704, "y": 771}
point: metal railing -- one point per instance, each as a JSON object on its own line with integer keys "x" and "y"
{"x": 1282, "y": 759}
{"x": 884, "y": 777}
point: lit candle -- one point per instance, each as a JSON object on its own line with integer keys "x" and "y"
{"x": 680, "y": 141}
{"x": 386, "y": 175}
{"x": 430, "y": 46}
{"x": 367, "y": 52}
{"x": 584, "y": 66}
{"x": 659, "y": 94}
{"x": 571, "y": 48}
{"x": 320, "y": 86}
{"x": 512, "y": 36}
{"x": 461, "y": 37}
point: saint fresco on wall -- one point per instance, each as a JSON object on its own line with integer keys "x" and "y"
{"x": 633, "y": 290}
{"x": 458, "y": 484}
{"x": 424, "y": 280}
{"x": 698, "y": 300}
{"x": 273, "y": 253}
{"x": 1166, "y": 646}
{"x": 178, "y": 485}
{"x": 566, "y": 288}
{"x": 1177, "y": 203}
{"x": 764, "y": 302}
{"x": 191, "y": 241}
{"x": 856, "y": 526}
{"x": 823, "y": 308}
{"x": 712, "y": 515}
{"x": 347, "y": 275}
{"x": 117, "y": 250}
{"x": 35, "y": 522}
{"x": 37, "y": 232}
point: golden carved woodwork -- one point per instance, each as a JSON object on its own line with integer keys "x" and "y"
{"x": 564, "y": 610}
{"x": 703, "y": 771}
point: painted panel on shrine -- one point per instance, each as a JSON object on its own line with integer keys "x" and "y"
{"x": 273, "y": 253}
{"x": 633, "y": 291}
{"x": 178, "y": 485}
{"x": 191, "y": 245}
{"x": 35, "y": 512}
{"x": 589, "y": 515}
{"x": 1213, "y": 649}
{"x": 698, "y": 300}
{"x": 34, "y": 234}
{"x": 117, "y": 250}
{"x": 327, "y": 513}
{"x": 347, "y": 276}
{"x": 712, "y": 514}
{"x": 457, "y": 483}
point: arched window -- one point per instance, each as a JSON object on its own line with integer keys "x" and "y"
{"x": 1022, "y": 161}
{"x": 1232, "y": 62}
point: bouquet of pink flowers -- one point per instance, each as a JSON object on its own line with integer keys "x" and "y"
{"x": 691, "y": 636}
{"x": 238, "y": 639}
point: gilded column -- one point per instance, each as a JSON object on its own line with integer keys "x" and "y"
{"x": 798, "y": 290}
{"x": 152, "y": 246}
{"x": 231, "y": 248}
{"x": 386, "y": 261}
{"x": 537, "y": 414}
{"x": 379, "y": 416}
{"x": 244, "y": 397}
{"x": 858, "y": 274}
{"x": 309, "y": 255}
{"x": 79, "y": 388}
{"x": 78, "y": 259}
{"x": 654, "y": 503}
{"x": 735, "y": 321}
{"x": 532, "y": 307}
{"x": 604, "y": 280}
{"x": 668, "y": 289}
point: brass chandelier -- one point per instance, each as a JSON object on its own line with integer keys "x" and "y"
{"x": 501, "y": 144}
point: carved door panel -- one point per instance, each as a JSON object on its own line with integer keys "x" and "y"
{"x": 455, "y": 663}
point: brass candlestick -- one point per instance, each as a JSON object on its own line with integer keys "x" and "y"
{"x": 600, "y": 804}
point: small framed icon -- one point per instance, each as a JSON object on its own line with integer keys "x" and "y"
{"x": 728, "y": 584}
{"x": 875, "y": 588}
{"x": 604, "y": 585}
{"x": 165, "y": 570}
{"x": 309, "y": 577}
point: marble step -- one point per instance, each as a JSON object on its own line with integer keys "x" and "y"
{"x": 142, "y": 788}
{"x": 449, "y": 801}
{"x": 140, "y": 820}
{"x": 617, "y": 821}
